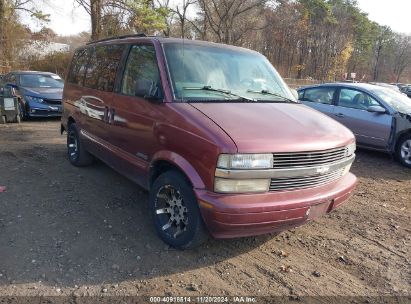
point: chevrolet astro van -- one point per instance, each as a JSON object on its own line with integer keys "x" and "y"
{"x": 211, "y": 131}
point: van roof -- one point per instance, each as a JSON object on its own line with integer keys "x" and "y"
{"x": 166, "y": 40}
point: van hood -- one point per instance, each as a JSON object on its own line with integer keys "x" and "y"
{"x": 276, "y": 127}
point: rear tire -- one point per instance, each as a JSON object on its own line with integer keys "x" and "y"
{"x": 175, "y": 211}
{"x": 403, "y": 152}
{"x": 76, "y": 152}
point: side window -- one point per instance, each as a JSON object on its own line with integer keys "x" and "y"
{"x": 102, "y": 68}
{"x": 356, "y": 99}
{"x": 141, "y": 75}
{"x": 319, "y": 95}
{"x": 300, "y": 94}
{"x": 78, "y": 66}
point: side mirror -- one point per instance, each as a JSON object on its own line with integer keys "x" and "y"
{"x": 376, "y": 109}
{"x": 147, "y": 89}
{"x": 295, "y": 93}
{"x": 144, "y": 88}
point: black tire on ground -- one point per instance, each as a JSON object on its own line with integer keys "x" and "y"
{"x": 175, "y": 211}
{"x": 76, "y": 152}
{"x": 403, "y": 151}
{"x": 22, "y": 112}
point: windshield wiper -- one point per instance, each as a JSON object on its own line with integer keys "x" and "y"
{"x": 227, "y": 92}
{"x": 266, "y": 92}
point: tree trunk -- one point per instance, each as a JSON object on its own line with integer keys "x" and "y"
{"x": 95, "y": 10}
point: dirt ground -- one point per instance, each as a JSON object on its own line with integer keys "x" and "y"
{"x": 78, "y": 232}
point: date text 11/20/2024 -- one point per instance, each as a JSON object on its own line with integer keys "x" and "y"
{"x": 203, "y": 299}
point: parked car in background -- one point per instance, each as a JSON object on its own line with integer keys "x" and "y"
{"x": 379, "y": 117}
{"x": 39, "y": 93}
{"x": 211, "y": 130}
{"x": 407, "y": 91}
{"x": 388, "y": 86}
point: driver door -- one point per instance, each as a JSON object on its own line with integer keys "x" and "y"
{"x": 370, "y": 129}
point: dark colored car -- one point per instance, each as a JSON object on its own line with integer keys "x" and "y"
{"x": 39, "y": 93}
{"x": 212, "y": 132}
{"x": 379, "y": 117}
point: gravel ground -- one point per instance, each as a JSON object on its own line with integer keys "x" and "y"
{"x": 66, "y": 231}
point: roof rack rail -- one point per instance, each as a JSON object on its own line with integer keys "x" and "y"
{"x": 118, "y": 37}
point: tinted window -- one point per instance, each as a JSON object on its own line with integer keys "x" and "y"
{"x": 356, "y": 99}
{"x": 141, "y": 68}
{"x": 102, "y": 67}
{"x": 78, "y": 66}
{"x": 320, "y": 95}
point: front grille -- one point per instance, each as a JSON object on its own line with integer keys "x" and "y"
{"x": 282, "y": 184}
{"x": 308, "y": 159}
{"x": 53, "y": 101}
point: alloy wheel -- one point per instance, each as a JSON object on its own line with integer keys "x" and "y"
{"x": 406, "y": 151}
{"x": 171, "y": 211}
{"x": 72, "y": 145}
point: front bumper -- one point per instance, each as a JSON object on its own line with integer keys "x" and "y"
{"x": 238, "y": 215}
{"x": 44, "y": 111}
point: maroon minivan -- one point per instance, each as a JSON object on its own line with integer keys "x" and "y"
{"x": 212, "y": 132}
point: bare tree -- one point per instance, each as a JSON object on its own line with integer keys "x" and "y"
{"x": 230, "y": 20}
{"x": 402, "y": 55}
{"x": 181, "y": 12}
{"x": 94, "y": 9}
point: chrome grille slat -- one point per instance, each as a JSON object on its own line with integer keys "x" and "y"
{"x": 297, "y": 160}
{"x": 312, "y": 160}
{"x": 305, "y": 179}
{"x": 312, "y": 152}
{"x": 307, "y": 159}
{"x": 307, "y": 182}
{"x": 309, "y": 155}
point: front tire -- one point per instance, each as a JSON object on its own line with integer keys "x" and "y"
{"x": 22, "y": 112}
{"x": 76, "y": 152}
{"x": 403, "y": 151}
{"x": 175, "y": 211}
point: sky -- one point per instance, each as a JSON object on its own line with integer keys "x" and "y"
{"x": 68, "y": 18}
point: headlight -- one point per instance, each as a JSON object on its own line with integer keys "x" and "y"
{"x": 34, "y": 99}
{"x": 350, "y": 149}
{"x": 222, "y": 185}
{"x": 245, "y": 161}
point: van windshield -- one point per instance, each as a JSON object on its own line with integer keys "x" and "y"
{"x": 210, "y": 73}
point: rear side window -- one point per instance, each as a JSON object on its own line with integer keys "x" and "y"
{"x": 102, "y": 68}
{"x": 78, "y": 66}
{"x": 319, "y": 95}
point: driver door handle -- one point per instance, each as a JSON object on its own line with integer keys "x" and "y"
{"x": 339, "y": 115}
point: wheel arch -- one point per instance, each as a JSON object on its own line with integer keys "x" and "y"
{"x": 70, "y": 121}
{"x": 167, "y": 160}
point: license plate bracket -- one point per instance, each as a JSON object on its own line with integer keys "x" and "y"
{"x": 318, "y": 210}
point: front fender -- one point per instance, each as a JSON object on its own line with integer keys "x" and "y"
{"x": 182, "y": 164}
